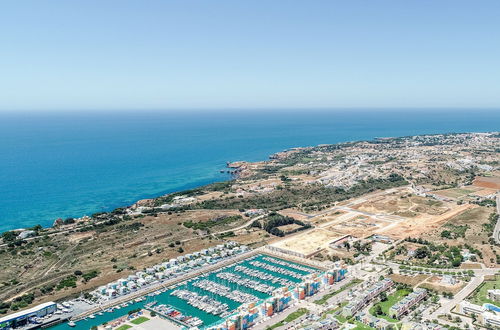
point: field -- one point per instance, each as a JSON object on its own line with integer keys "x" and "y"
{"x": 457, "y": 193}
{"x": 480, "y": 295}
{"x": 386, "y": 305}
{"x": 139, "y": 320}
{"x": 487, "y": 182}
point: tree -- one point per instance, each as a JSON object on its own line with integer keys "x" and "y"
{"x": 383, "y": 296}
{"x": 378, "y": 310}
{"x": 256, "y": 224}
{"x": 422, "y": 252}
{"x": 446, "y": 234}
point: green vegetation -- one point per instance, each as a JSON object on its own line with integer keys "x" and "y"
{"x": 275, "y": 220}
{"x": 432, "y": 255}
{"x": 381, "y": 309}
{"x": 139, "y": 320}
{"x": 68, "y": 282}
{"x": 291, "y": 317}
{"x": 480, "y": 295}
{"x": 492, "y": 221}
{"x": 327, "y": 296}
{"x": 18, "y": 303}
{"x": 90, "y": 275}
{"x": 224, "y": 220}
{"x": 124, "y": 327}
{"x": 454, "y": 231}
{"x": 310, "y": 197}
{"x": 361, "y": 326}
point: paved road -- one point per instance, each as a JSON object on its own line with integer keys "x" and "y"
{"x": 496, "y": 231}
{"x": 448, "y": 306}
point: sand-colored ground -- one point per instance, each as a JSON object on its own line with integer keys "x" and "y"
{"x": 412, "y": 280}
{"x": 414, "y": 227}
{"x": 327, "y": 217}
{"x": 403, "y": 205}
{"x": 457, "y": 193}
{"x": 358, "y": 226}
{"x": 308, "y": 242}
{"x": 435, "y": 283}
{"x": 294, "y": 213}
{"x": 487, "y": 182}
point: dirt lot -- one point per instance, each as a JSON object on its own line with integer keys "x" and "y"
{"x": 422, "y": 224}
{"x": 327, "y": 217}
{"x": 457, "y": 193}
{"x": 403, "y": 204}
{"x": 487, "y": 182}
{"x": 434, "y": 283}
{"x": 410, "y": 280}
{"x": 358, "y": 226}
{"x": 309, "y": 241}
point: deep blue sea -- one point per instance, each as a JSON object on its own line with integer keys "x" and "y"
{"x": 68, "y": 165}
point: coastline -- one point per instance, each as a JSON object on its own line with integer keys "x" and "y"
{"x": 97, "y": 174}
{"x": 233, "y": 169}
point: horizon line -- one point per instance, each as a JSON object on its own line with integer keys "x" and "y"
{"x": 236, "y": 109}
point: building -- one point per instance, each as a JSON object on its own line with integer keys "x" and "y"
{"x": 448, "y": 280}
{"x": 465, "y": 307}
{"x": 355, "y": 305}
{"x": 489, "y": 319}
{"x": 403, "y": 306}
{"x": 27, "y": 316}
{"x": 494, "y": 294}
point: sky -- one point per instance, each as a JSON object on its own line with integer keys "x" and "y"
{"x": 124, "y": 54}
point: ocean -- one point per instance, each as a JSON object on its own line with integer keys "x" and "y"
{"x": 68, "y": 165}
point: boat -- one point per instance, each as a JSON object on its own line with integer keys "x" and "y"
{"x": 72, "y": 324}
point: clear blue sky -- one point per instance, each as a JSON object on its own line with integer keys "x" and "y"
{"x": 124, "y": 54}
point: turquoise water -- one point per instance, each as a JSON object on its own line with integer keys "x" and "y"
{"x": 492, "y": 307}
{"x": 56, "y": 165}
{"x": 183, "y": 306}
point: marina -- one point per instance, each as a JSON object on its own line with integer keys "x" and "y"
{"x": 208, "y": 299}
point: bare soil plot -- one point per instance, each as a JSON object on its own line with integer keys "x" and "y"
{"x": 308, "y": 242}
{"x": 470, "y": 265}
{"x": 487, "y": 182}
{"x": 289, "y": 228}
{"x": 358, "y": 226}
{"x": 434, "y": 283}
{"x": 327, "y": 217}
{"x": 473, "y": 218}
{"x": 414, "y": 227}
{"x": 412, "y": 280}
{"x": 403, "y": 204}
{"x": 457, "y": 193}
{"x": 294, "y": 213}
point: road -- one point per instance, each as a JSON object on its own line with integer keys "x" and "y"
{"x": 496, "y": 231}
{"x": 448, "y": 306}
